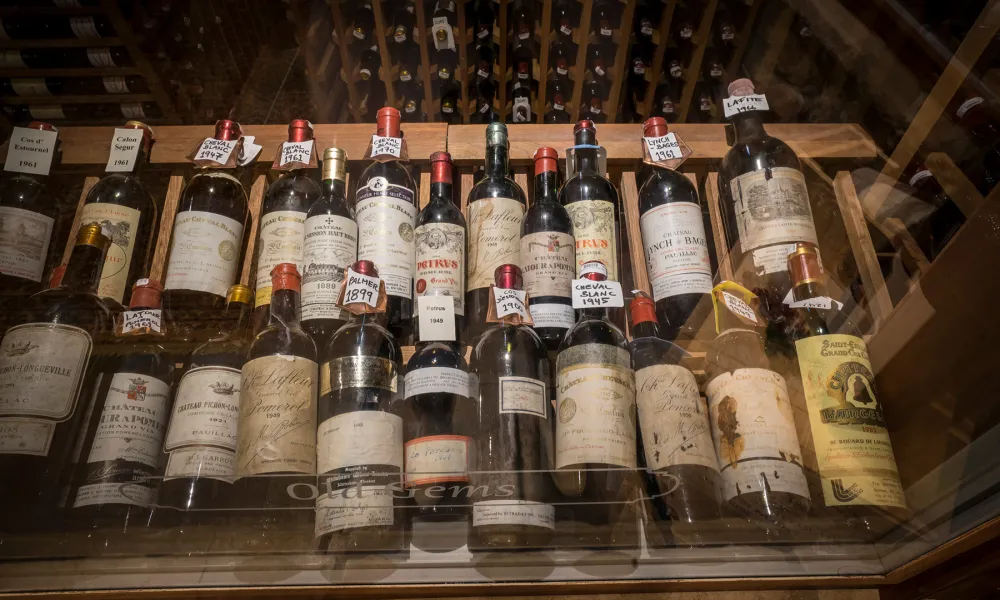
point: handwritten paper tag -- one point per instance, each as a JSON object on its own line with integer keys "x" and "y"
{"x": 248, "y": 151}
{"x": 124, "y": 150}
{"x": 31, "y": 151}
{"x": 664, "y": 147}
{"x": 735, "y": 105}
{"x": 141, "y": 321}
{"x": 391, "y": 146}
{"x": 361, "y": 288}
{"x": 739, "y": 307}
{"x": 821, "y": 302}
{"x": 436, "y": 318}
{"x": 295, "y": 154}
{"x": 510, "y": 302}
{"x": 597, "y": 294}
{"x": 215, "y": 151}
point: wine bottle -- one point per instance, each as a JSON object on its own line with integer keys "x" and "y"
{"x": 485, "y": 59}
{"x": 440, "y": 243}
{"x": 645, "y": 22}
{"x": 360, "y": 436}
{"x": 42, "y": 28}
{"x": 281, "y": 233}
{"x": 524, "y": 25}
{"x": 124, "y": 209}
{"x": 565, "y": 18}
{"x": 124, "y": 439}
{"x": 450, "y": 101}
{"x": 945, "y": 220}
{"x": 559, "y": 93}
{"x": 46, "y": 384}
{"x": 674, "y": 63}
{"x": 495, "y": 212}
{"x": 27, "y": 215}
{"x": 447, "y": 65}
{"x": 605, "y": 19}
{"x": 485, "y": 94}
{"x": 201, "y": 437}
{"x": 593, "y": 104}
{"x": 765, "y": 204}
{"x": 599, "y": 59}
{"x": 714, "y": 69}
{"x": 331, "y": 246}
{"x": 363, "y": 24}
{"x": 562, "y": 59}
{"x": 665, "y": 100}
{"x": 674, "y": 428}
{"x": 369, "y": 64}
{"x": 63, "y": 58}
{"x": 981, "y": 123}
{"x": 485, "y": 17}
{"x": 676, "y": 247}
{"x": 276, "y": 430}
{"x": 207, "y": 241}
{"x": 548, "y": 254}
{"x": 387, "y": 214}
{"x": 595, "y": 441}
{"x": 403, "y": 23}
{"x": 509, "y": 381}
{"x": 682, "y": 30}
{"x": 760, "y": 459}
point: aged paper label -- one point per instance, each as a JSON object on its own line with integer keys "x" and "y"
{"x": 772, "y": 211}
{"x": 673, "y": 418}
{"x": 206, "y": 409}
{"x": 494, "y": 238}
{"x": 547, "y": 264}
{"x": 673, "y": 236}
{"x": 24, "y": 242}
{"x": 41, "y": 370}
{"x": 387, "y": 217}
{"x": 120, "y": 223}
{"x": 282, "y": 236}
{"x": 595, "y": 234}
{"x": 204, "y": 252}
{"x": 437, "y": 459}
{"x": 133, "y": 421}
{"x": 331, "y": 246}
{"x": 440, "y": 267}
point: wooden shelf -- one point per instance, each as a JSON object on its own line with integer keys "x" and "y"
{"x": 60, "y": 43}
{"x": 84, "y": 99}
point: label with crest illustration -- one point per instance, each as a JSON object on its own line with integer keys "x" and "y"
{"x": 441, "y": 263}
{"x": 673, "y": 418}
{"x": 673, "y": 237}
{"x": 206, "y": 409}
{"x": 494, "y": 238}
{"x": 386, "y": 219}
{"x": 331, "y": 245}
{"x": 120, "y": 224}
{"x": 772, "y": 207}
{"x": 547, "y": 264}
{"x": 595, "y": 234}
{"x": 277, "y": 423}
{"x": 133, "y": 421}
{"x": 204, "y": 252}
{"x": 282, "y": 235}
{"x": 24, "y": 242}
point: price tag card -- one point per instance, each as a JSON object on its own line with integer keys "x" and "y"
{"x": 361, "y": 288}
{"x": 667, "y": 151}
{"x": 213, "y": 152}
{"x": 295, "y": 155}
{"x": 124, "y": 150}
{"x": 31, "y": 151}
{"x": 248, "y": 151}
{"x": 597, "y": 294}
{"x": 511, "y": 302}
{"x": 821, "y": 302}
{"x": 436, "y": 318}
{"x": 735, "y": 105}
{"x": 141, "y": 321}
{"x": 739, "y": 307}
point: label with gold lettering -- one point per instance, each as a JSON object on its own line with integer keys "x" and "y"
{"x": 441, "y": 263}
{"x": 358, "y": 372}
{"x": 277, "y": 425}
{"x": 595, "y": 233}
{"x": 494, "y": 238}
{"x": 673, "y": 418}
{"x": 855, "y": 457}
{"x": 595, "y": 406}
{"x": 204, "y": 252}
{"x": 120, "y": 224}
{"x": 282, "y": 235}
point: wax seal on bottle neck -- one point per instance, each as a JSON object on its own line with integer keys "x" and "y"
{"x": 643, "y": 309}
{"x": 441, "y": 167}
{"x": 300, "y": 130}
{"x": 365, "y": 267}
{"x": 42, "y": 126}
{"x": 655, "y": 127}
{"x": 804, "y": 265}
{"x": 741, "y": 87}
{"x": 546, "y": 160}
{"x": 507, "y": 277}
{"x": 93, "y": 235}
{"x": 594, "y": 270}
{"x": 227, "y": 130}
{"x": 146, "y": 293}
{"x": 335, "y": 164}
{"x": 285, "y": 277}
{"x": 240, "y": 293}
{"x": 496, "y": 135}
{"x": 387, "y": 122}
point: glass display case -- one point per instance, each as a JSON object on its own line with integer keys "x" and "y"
{"x": 517, "y": 297}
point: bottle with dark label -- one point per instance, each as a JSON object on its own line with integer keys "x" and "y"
{"x": 440, "y": 243}
{"x": 548, "y": 254}
{"x": 207, "y": 241}
{"x": 945, "y": 219}
{"x": 495, "y": 212}
{"x": 676, "y": 248}
{"x": 201, "y": 438}
{"x": 485, "y": 94}
{"x": 606, "y": 17}
{"x": 509, "y": 380}
{"x": 125, "y": 210}
{"x": 123, "y": 443}
{"x": 44, "y": 359}
{"x": 451, "y": 100}
{"x": 674, "y": 430}
{"x": 595, "y": 441}
{"x": 331, "y": 246}
{"x": 559, "y": 93}
{"x": 276, "y": 430}
{"x": 360, "y": 436}
{"x": 281, "y": 232}
{"x": 485, "y": 17}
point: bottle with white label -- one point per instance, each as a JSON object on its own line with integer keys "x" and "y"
{"x": 115, "y": 485}
{"x": 595, "y": 429}
{"x": 207, "y": 241}
{"x": 45, "y": 359}
{"x": 359, "y": 442}
{"x": 27, "y": 212}
{"x": 509, "y": 380}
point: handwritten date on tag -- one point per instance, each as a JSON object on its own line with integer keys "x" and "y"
{"x": 141, "y": 320}
{"x": 664, "y": 147}
{"x": 510, "y": 302}
{"x": 739, "y": 307}
{"x": 217, "y": 151}
{"x": 735, "y": 105}
{"x": 124, "y": 150}
{"x": 822, "y": 302}
{"x": 387, "y": 146}
{"x": 361, "y": 288}
{"x": 295, "y": 153}
{"x": 597, "y": 294}
{"x": 31, "y": 151}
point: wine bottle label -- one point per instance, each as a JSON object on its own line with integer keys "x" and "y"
{"x": 772, "y": 207}
{"x": 46, "y": 112}
{"x": 282, "y": 233}
{"x": 772, "y": 259}
{"x": 673, "y": 235}
{"x": 133, "y": 110}
{"x": 135, "y": 494}
{"x": 561, "y": 316}
{"x": 440, "y": 268}
{"x": 436, "y": 459}
{"x": 133, "y": 421}
{"x": 595, "y": 234}
{"x": 11, "y": 59}
{"x": 494, "y": 238}
{"x": 204, "y": 252}
{"x": 24, "y": 242}
{"x": 100, "y": 57}
{"x": 513, "y": 512}
{"x": 386, "y": 219}
{"x": 203, "y": 463}
{"x": 277, "y": 426}
{"x": 595, "y": 398}
{"x": 30, "y": 86}
{"x": 357, "y": 372}
{"x": 673, "y": 418}
{"x": 121, "y": 223}
{"x": 206, "y": 410}
{"x": 436, "y": 380}
{"x": 84, "y": 28}
{"x": 754, "y": 433}
{"x": 115, "y": 85}
{"x": 853, "y": 450}
{"x": 331, "y": 246}
{"x": 360, "y": 456}
{"x": 20, "y": 435}
{"x": 548, "y": 266}
{"x": 522, "y": 395}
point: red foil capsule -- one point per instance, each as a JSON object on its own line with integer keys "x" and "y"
{"x": 655, "y": 127}
{"x": 387, "y": 122}
{"x": 441, "y": 167}
{"x": 365, "y": 267}
{"x": 227, "y": 130}
{"x": 508, "y": 277}
{"x": 285, "y": 277}
{"x": 300, "y": 130}
{"x": 546, "y": 160}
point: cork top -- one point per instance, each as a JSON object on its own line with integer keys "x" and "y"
{"x": 93, "y": 235}
{"x": 804, "y": 265}
{"x": 365, "y": 267}
{"x": 42, "y": 126}
{"x": 387, "y": 122}
{"x": 496, "y": 134}
{"x": 335, "y": 164}
{"x": 594, "y": 270}
{"x": 441, "y": 167}
{"x": 741, "y": 87}
{"x": 643, "y": 309}
{"x": 240, "y": 293}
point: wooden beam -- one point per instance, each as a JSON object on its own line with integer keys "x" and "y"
{"x": 901, "y": 238}
{"x": 383, "y": 49}
{"x": 743, "y": 39}
{"x": 543, "y": 61}
{"x": 157, "y": 268}
{"x": 425, "y": 63}
{"x": 701, "y": 43}
{"x": 256, "y": 199}
{"x": 466, "y": 183}
{"x": 637, "y": 253}
{"x": 347, "y": 65}
{"x": 463, "y": 60}
{"x": 424, "y": 195}
{"x": 775, "y": 43}
{"x": 583, "y": 32}
{"x": 713, "y": 198}
{"x": 661, "y": 49}
{"x": 954, "y": 182}
{"x": 624, "y": 43}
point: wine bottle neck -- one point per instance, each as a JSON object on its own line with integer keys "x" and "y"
{"x": 545, "y": 187}
{"x": 334, "y": 188}
{"x": 83, "y": 272}
{"x": 594, "y": 313}
{"x": 441, "y": 192}
{"x": 808, "y": 289}
{"x": 586, "y": 160}
{"x": 748, "y": 125}
{"x": 285, "y": 308}
{"x": 645, "y": 329}
{"x": 496, "y": 161}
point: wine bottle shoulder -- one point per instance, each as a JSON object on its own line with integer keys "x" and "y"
{"x": 497, "y": 188}
{"x": 502, "y": 344}
{"x": 123, "y": 189}
{"x": 292, "y": 191}
{"x": 437, "y": 354}
{"x": 757, "y": 153}
{"x": 652, "y": 351}
{"x": 328, "y": 204}
{"x": 140, "y": 355}
{"x": 588, "y": 186}
{"x": 445, "y": 212}
{"x": 63, "y": 307}
{"x": 546, "y": 216}
{"x": 392, "y": 171}
{"x": 589, "y": 330}
{"x": 362, "y": 339}
{"x": 283, "y": 341}
{"x": 28, "y": 193}
{"x": 222, "y": 352}
{"x": 666, "y": 186}
{"x": 215, "y": 192}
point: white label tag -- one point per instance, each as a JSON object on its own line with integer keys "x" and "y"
{"x": 124, "y": 150}
{"x": 483, "y": 73}
{"x": 297, "y": 152}
{"x": 738, "y": 306}
{"x": 361, "y": 288}
{"x": 605, "y": 32}
{"x": 483, "y": 34}
{"x": 248, "y": 151}
{"x": 442, "y": 29}
{"x": 31, "y": 151}
{"x": 735, "y": 105}
{"x": 436, "y": 318}
{"x": 820, "y": 302}
{"x": 664, "y": 147}
{"x": 510, "y": 302}
{"x": 391, "y": 146}
{"x": 216, "y": 150}
{"x": 522, "y": 110}
{"x": 590, "y": 294}
{"x": 599, "y": 70}
{"x": 553, "y": 315}
{"x": 141, "y": 319}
